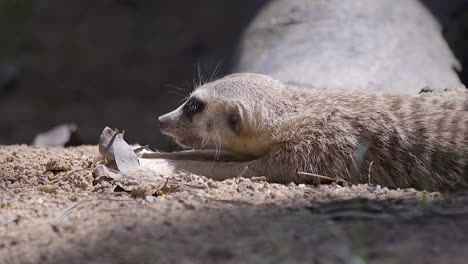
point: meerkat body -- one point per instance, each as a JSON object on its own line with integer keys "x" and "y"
{"x": 252, "y": 125}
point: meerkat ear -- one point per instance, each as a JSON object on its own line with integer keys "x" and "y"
{"x": 235, "y": 119}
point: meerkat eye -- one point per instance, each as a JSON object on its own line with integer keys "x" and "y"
{"x": 233, "y": 120}
{"x": 192, "y": 107}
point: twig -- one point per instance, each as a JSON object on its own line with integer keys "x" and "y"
{"x": 99, "y": 159}
{"x": 60, "y": 216}
{"x": 165, "y": 184}
{"x": 140, "y": 149}
{"x": 66, "y": 212}
{"x": 71, "y": 173}
{"x": 323, "y": 177}
{"x": 162, "y": 189}
{"x": 368, "y": 174}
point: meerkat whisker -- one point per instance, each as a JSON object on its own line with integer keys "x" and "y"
{"x": 218, "y": 145}
{"x": 215, "y": 71}
{"x": 204, "y": 140}
{"x": 184, "y": 93}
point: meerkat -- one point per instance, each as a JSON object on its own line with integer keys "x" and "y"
{"x": 252, "y": 125}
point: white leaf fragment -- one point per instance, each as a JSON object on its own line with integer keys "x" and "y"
{"x": 125, "y": 157}
{"x": 113, "y": 147}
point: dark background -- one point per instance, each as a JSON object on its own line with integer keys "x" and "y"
{"x": 117, "y": 62}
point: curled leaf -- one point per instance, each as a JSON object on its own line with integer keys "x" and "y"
{"x": 113, "y": 147}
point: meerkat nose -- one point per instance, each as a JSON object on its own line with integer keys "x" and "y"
{"x": 162, "y": 123}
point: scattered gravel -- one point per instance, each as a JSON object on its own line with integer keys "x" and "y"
{"x": 54, "y": 210}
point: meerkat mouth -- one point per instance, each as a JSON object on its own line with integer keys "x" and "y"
{"x": 188, "y": 143}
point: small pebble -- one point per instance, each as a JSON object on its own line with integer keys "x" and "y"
{"x": 48, "y": 189}
{"x": 56, "y": 165}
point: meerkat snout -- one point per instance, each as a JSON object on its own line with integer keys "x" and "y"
{"x": 162, "y": 122}
{"x": 166, "y": 122}
{"x": 184, "y": 124}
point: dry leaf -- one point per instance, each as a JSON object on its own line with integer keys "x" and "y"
{"x": 113, "y": 147}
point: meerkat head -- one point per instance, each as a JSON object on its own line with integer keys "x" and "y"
{"x": 226, "y": 114}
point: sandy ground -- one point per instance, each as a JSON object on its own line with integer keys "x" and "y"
{"x": 50, "y": 215}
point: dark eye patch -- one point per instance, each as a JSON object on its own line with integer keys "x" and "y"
{"x": 233, "y": 120}
{"x": 192, "y": 107}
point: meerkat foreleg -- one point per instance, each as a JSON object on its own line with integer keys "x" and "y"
{"x": 199, "y": 155}
{"x": 216, "y": 170}
{"x": 219, "y": 170}
{"x": 218, "y": 165}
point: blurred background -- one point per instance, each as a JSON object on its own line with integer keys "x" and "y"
{"x": 121, "y": 63}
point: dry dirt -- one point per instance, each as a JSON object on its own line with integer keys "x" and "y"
{"x": 50, "y": 215}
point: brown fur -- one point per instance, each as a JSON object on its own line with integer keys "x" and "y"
{"x": 417, "y": 142}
